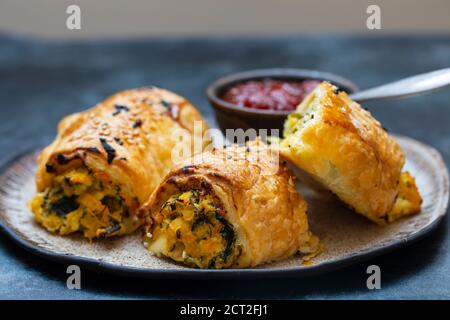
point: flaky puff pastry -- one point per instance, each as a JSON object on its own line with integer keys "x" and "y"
{"x": 228, "y": 208}
{"x": 105, "y": 162}
{"x": 342, "y": 146}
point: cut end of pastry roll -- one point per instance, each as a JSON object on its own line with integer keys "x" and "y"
{"x": 408, "y": 200}
{"x": 105, "y": 162}
{"x": 82, "y": 200}
{"x": 191, "y": 227}
{"x": 348, "y": 151}
{"x": 220, "y": 210}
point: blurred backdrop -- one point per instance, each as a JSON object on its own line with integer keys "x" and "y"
{"x": 140, "y": 18}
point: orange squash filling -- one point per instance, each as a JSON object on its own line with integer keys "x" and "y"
{"x": 191, "y": 228}
{"x": 79, "y": 201}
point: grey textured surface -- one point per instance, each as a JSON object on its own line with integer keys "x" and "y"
{"x": 41, "y": 82}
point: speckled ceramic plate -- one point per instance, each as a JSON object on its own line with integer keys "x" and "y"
{"x": 347, "y": 237}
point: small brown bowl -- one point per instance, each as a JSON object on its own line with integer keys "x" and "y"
{"x": 230, "y": 116}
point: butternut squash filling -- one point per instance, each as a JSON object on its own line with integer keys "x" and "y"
{"x": 408, "y": 199}
{"x": 78, "y": 201}
{"x": 191, "y": 228}
{"x": 304, "y": 113}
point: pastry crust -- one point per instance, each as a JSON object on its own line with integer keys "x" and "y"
{"x": 257, "y": 197}
{"x": 126, "y": 140}
{"x": 342, "y": 146}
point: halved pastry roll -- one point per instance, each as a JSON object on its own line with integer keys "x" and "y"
{"x": 343, "y": 147}
{"x": 228, "y": 208}
{"x": 105, "y": 162}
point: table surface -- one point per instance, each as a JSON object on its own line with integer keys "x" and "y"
{"x": 40, "y": 82}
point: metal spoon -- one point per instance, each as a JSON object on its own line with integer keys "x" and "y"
{"x": 412, "y": 86}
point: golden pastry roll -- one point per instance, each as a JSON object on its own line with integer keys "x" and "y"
{"x": 348, "y": 151}
{"x": 105, "y": 162}
{"x": 228, "y": 208}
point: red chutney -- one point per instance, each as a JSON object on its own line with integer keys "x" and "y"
{"x": 270, "y": 94}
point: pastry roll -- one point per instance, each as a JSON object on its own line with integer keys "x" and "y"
{"x": 228, "y": 208}
{"x": 343, "y": 147}
{"x": 105, "y": 162}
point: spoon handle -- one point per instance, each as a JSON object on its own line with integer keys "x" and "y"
{"x": 407, "y": 87}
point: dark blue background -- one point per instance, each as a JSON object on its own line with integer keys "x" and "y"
{"x": 40, "y": 82}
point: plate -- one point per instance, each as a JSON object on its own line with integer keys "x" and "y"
{"x": 347, "y": 237}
